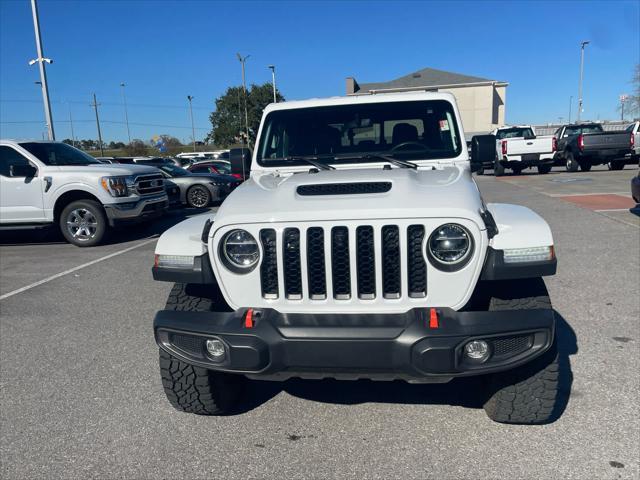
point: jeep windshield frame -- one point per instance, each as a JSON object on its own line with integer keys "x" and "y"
{"x": 359, "y": 133}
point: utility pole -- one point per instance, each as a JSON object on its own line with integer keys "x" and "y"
{"x": 73, "y": 136}
{"x": 623, "y": 98}
{"x": 43, "y": 74}
{"x": 273, "y": 82}
{"x": 126, "y": 114}
{"x": 570, "y": 105}
{"x": 582, "y": 45}
{"x": 193, "y": 130}
{"x": 95, "y": 106}
{"x": 244, "y": 89}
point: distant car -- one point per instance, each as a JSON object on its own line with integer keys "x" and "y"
{"x": 221, "y": 167}
{"x": 105, "y": 159}
{"x": 155, "y": 161}
{"x": 199, "y": 190}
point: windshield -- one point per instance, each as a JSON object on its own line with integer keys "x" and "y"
{"x": 516, "y": 132}
{"x": 58, "y": 154}
{"x": 222, "y": 167}
{"x": 416, "y": 130}
{"x": 578, "y": 129}
{"x": 174, "y": 170}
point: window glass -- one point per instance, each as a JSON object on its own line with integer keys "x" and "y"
{"x": 411, "y": 130}
{"x": 8, "y": 157}
{"x": 58, "y": 154}
{"x": 516, "y": 132}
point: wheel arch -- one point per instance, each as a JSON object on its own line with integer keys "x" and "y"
{"x": 71, "y": 196}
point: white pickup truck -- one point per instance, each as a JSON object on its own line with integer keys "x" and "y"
{"x": 518, "y": 147}
{"x": 634, "y": 130}
{"x": 45, "y": 183}
{"x": 360, "y": 247}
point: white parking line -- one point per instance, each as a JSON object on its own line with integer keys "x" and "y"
{"x": 74, "y": 269}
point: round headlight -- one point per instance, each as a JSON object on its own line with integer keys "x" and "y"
{"x": 450, "y": 246}
{"x": 240, "y": 250}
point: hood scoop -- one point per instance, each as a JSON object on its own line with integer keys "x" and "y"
{"x": 356, "y": 188}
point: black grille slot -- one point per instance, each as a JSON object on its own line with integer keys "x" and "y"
{"x": 291, "y": 263}
{"x": 188, "y": 343}
{"x": 341, "y": 271}
{"x": 315, "y": 264}
{"x": 344, "y": 188}
{"x": 365, "y": 262}
{"x": 511, "y": 346}
{"x": 391, "y": 261}
{"x": 416, "y": 266}
{"x": 269, "y": 266}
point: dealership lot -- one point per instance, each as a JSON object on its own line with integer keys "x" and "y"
{"x": 81, "y": 395}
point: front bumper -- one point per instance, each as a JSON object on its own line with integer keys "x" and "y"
{"x": 139, "y": 210}
{"x": 407, "y": 346}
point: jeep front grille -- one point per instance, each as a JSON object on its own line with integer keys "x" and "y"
{"x": 365, "y": 261}
{"x": 149, "y": 184}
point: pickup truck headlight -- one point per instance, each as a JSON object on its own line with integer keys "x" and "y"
{"x": 239, "y": 251}
{"x": 449, "y": 247}
{"x": 115, "y": 186}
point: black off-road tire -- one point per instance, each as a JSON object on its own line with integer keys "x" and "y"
{"x": 616, "y": 165}
{"x": 195, "y": 389}
{"x": 498, "y": 169}
{"x": 585, "y": 166}
{"x": 528, "y": 394}
{"x": 544, "y": 169}
{"x": 571, "y": 164}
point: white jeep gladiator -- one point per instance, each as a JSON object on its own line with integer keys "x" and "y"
{"x": 360, "y": 247}
{"x": 48, "y": 183}
{"x": 518, "y": 147}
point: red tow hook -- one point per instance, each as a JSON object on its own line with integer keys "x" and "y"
{"x": 248, "y": 319}
{"x": 433, "y": 318}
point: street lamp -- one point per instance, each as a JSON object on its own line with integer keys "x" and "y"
{"x": 570, "y": 105}
{"x": 126, "y": 114}
{"x": 41, "y": 60}
{"x": 582, "y": 45}
{"x": 273, "y": 81}
{"x": 244, "y": 89}
{"x": 193, "y": 130}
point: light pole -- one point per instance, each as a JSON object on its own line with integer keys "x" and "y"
{"x": 43, "y": 74}
{"x": 623, "y": 98}
{"x": 570, "y": 105}
{"x": 126, "y": 114}
{"x": 273, "y": 82}
{"x": 244, "y": 89}
{"x": 193, "y": 130}
{"x": 582, "y": 45}
{"x": 73, "y": 136}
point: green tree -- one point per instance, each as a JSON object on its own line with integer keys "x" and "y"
{"x": 136, "y": 147}
{"x": 227, "y": 121}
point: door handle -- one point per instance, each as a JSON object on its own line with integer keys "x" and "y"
{"x": 529, "y": 143}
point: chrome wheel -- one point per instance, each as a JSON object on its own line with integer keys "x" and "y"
{"x": 198, "y": 197}
{"x": 82, "y": 224}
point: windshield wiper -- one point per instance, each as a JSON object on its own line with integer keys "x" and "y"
{"x": 311, "y": 160}
{"x": 386, "y": 158}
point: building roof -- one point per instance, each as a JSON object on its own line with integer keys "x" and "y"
{"x": 425, "y": 78}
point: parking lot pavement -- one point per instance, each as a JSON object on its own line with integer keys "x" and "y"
{"x": 81, "y": 393}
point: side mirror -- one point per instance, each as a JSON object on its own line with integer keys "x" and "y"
{"x": 24, "y": 170}
{"x": 483, "y": 151}
{"x": 240, "y": 159}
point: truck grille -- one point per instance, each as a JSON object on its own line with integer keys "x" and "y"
{"x": 365, "y": 262}
{"x": 149, "y": 184}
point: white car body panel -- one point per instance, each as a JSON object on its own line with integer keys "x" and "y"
{"x": 519, "y": 146}
{"x": 438, "y": 192}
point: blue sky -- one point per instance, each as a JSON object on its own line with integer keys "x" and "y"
{"x": 166, "y": 50}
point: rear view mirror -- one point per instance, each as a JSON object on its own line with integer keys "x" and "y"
{"x": 24, "y": 170}
{"x": 240, "y": 159}
{"x": 483, "y": 151}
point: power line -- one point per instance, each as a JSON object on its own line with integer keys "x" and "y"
{"x": 106, "y": 121}
{"x": 115, "y": 104}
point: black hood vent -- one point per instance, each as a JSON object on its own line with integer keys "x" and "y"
{"x": 344, "y": 188}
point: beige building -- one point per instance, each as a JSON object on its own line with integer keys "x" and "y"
{"x": 481, "y": 101}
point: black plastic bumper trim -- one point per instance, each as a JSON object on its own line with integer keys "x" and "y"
{"x": 495, "y": 268}
{"x": 395, "y": 345}
{"x": 201, "y": 272}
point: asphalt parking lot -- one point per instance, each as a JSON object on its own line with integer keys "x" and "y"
{"x": 81, "y": 394}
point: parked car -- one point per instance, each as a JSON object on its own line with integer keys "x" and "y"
{"x": 349, "y": 258}
{"x": 199, "y": 190}
{"x": 586, "y": 144}
{"x": 518, "y": 147}
{"x": 105, "y": 159}
{"x": 634, "y": 155}
{"x": 221, "y": 167}
{"x": 52, "y": 183}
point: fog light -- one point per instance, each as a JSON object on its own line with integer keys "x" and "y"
{"x": 477, "y": 350}
{"x": 215, "y": 348}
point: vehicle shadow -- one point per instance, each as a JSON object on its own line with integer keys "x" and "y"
{"x": 463, "y": 392}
